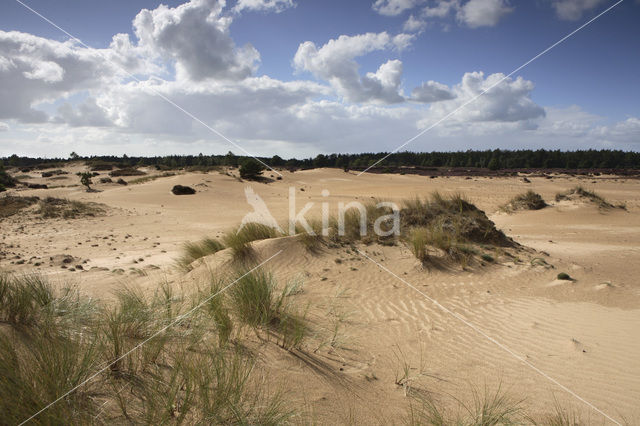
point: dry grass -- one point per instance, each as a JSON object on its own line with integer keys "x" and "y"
{"x": 150, "y": 178}
{"x": 10, "y": 205}
{"x": 485, "y": 409}
{"x": 52, "y": 207}
{"x": 579, "y": 193}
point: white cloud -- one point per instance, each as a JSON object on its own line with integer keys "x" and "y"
{"x": 413, "y": 24}
{"x": 483, "y": 13}
{"x": 335, "y": 63}
{"x": 572, "y": 10}
{"x": 276, "y": 6}
{"x": 432, "y": 91}
{"x": 508, "y": 101}
{"x": 196, "y": 36}
{"x": 34, "y": 69}
{"x": 441, "y": 9}
{"x": 394, "y": 7}
{"x": 4, "y": 127}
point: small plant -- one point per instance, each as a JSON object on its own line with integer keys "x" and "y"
{"x": 487, "y": 258}
{"x": 564, "y": 276}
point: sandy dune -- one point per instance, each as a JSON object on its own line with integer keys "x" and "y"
{"x": 584, "y": 334}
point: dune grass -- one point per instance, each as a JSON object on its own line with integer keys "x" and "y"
{"x": 255, "y": 301}
{"x": 193, "y": 251}
{"x": 529, "y": 200}
{"x": 487, "y": 408}
{"x": 579, "y": 192}
{"x": 239, "y": 240}
{"x": 448, "y": 225}
{"x": 181, "y": 374}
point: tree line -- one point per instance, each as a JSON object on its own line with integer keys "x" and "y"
{"x": 488, "y": 159}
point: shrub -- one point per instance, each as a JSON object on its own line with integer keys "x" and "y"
{"x": 182, "y": 190}
{"x": 564, "y": 276}
{"x": 251, "y": 169}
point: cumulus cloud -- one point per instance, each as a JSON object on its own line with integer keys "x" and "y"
{"x": 196, "y": 36}
{"x": 34, "y": 69}
{"x": 572, "y": 10}
{"x": 335, "y": 63}
{"x": 4, "y": 127}
{"x": 483, "y": 13}
{"x": 276, "y": 6}
{"x": 432, "y": 91}
{"x": 508, "y": 101}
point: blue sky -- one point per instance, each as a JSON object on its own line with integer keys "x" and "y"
{"x": 331, "y": 76}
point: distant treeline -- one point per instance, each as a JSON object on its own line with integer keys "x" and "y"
{"x": 490, "y": 159}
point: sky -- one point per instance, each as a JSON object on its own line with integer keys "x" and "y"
{"x": 298, "y": 78}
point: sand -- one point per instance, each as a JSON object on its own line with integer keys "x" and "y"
{"x": 508, "y": 317}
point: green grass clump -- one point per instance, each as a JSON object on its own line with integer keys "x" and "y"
{"x": 487, "y": 258}
{"x": 526, "y": 201}
{"x": 255, "y": 301}
{"x": 239, "y": 240}
{"x": 194, "y": 251}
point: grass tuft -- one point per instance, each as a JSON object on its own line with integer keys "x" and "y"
{"x": 194, "y": 251}
{"x": 526, "y": 201}
{"x": 238, "y": 240}
{"x": 579, "y": 193}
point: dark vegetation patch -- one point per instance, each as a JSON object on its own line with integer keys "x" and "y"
{"x": 127, "y": 172}
{"x": 10, "y": 205}
{"x": 51, "y": 207}
{"x": 37, "y": 186}
{"x": 526, "y": 201}
{"x": 182, "y": 190}
{"x": 54, "y": 173}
